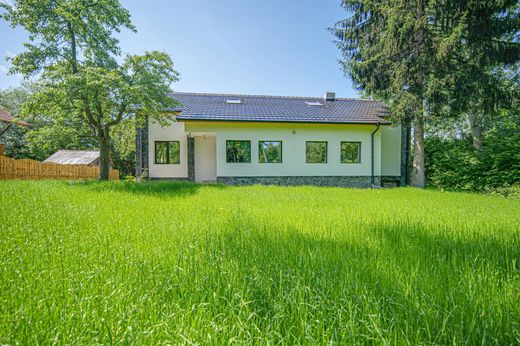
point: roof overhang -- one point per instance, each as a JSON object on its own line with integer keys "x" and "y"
{"x": 352, "y": 122}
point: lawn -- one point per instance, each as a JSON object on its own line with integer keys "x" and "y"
{"x": 85, "y": 263}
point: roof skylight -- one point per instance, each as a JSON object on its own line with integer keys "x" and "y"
{"x": 233, "y": 101}
{"x": 313, "y": 103}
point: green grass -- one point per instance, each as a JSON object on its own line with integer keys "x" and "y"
{"x": 116, "y": 263}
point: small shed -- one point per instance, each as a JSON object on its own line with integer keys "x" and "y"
{"x": 75, "y": 157}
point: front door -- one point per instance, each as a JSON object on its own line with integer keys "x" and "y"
{"x": 205, "y": 158}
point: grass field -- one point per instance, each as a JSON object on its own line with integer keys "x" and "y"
{"x": 116, "y": 263}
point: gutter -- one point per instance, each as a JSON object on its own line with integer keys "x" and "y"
{"x": 360, "y": 122}
{"x": 372, "y": 154}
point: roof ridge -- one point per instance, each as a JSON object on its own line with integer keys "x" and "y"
{"x": 271, "y": 96}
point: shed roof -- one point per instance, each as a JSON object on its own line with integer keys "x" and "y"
{"x": 73, "y": 157}
{"x": 261, "y": 108}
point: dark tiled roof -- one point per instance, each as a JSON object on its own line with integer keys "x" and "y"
{"x": 258, "y": 108}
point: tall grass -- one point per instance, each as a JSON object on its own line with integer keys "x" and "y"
{"x": 116, "y": 263}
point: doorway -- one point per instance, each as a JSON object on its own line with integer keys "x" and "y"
{"x": 206, "y": 158}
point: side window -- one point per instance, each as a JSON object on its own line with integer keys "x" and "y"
{"x": 350, "y": 152}
{"x": 316, "y": 152}
{"x": 238, "y": 151}
{"x": 167, "y": 152}
{"x": 269, "y": 151}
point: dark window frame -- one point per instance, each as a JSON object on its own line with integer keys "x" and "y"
{"x": 341, "y": 154}
{"x": 281, "y": 150}
{"x": 238, "y": 140}
{"x": 326, "y": 151}
{"x": 167, "y": 153}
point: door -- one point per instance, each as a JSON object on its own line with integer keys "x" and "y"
{"x": 205, "y": 158}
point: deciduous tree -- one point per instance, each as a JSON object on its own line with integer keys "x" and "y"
{"x": 73, "y": 50}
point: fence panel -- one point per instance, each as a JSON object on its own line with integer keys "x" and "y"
{"x": 31, "y": 169}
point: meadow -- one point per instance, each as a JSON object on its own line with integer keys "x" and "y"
{"x": 180, "y": 263}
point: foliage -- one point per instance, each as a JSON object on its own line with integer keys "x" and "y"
{"x": 11, "y": 101}
{"x": 416, "y": 54}
{"x": 269, "y": 151}
{"x": 123, "y": 147}
{"x": 71, "y": 45}
{"x": 453, "y": 163}
{"x": 180, "y": 263}
{"x": 47, "y": 134}
{"x": 238, "y": 151}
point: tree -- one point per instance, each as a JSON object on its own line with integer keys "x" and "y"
{"x": 11, "y": 101}
{"x": 407, "y": 53}
{"x": 484, "y": 49}
{"x": 71, "y": 46}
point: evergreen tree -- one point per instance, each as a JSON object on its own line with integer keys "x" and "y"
{"x": 408, "y": 53}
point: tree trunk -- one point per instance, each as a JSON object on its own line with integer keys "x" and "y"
{"x": 418, "y": 174}
{"x": 104, "y": 155}
{"x": 476, "y": 131}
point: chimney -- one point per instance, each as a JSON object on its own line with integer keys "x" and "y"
{"x": 330, "y": 96}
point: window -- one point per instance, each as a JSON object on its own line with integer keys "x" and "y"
{"x": 316, "y": 152}
{"x": 233, "y": 101}
{"x": 350, "y": 152}
{"x": 269, "y": 151}
{"x": 313, "y": 103}
{"x": 167, "y": 152}
{"x": 238, "y": 151}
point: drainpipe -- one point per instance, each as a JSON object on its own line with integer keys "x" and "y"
{"x": 372, "y": 154}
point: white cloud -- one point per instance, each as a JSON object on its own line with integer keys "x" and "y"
{"x": 3, "y": 69}
{"x": 9, "y": 54}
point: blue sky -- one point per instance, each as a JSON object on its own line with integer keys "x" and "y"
{"x": 251, "y": 47}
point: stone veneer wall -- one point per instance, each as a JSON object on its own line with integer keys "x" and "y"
{"x": 339, "y": 181}
{"x": 141, "y": 151}
{"x": 191, "y": 158}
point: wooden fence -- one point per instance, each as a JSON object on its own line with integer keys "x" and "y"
{"x": 30, "y": 169}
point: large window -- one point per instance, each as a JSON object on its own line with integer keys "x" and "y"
{"x": 269, "y": 151}
{"x": 238, "y": 151}
{"x": 350, "y": 152}
{"x": 167, "y": 152}
{"x": 316, "y": 152}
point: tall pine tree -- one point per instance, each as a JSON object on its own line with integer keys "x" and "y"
{"x": 408, "y": 53}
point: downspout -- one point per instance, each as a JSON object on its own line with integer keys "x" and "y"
{"x": 372, "y": 154}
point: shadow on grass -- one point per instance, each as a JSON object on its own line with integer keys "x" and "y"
{"x": 150, "y": 188}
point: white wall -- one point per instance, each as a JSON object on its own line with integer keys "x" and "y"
{"x": 293, "y": 146}
{"x": 173, "y": 132}
{"x": 391, "y": 150}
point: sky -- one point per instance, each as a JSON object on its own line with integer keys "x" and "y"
{"x": 266, "y": 47}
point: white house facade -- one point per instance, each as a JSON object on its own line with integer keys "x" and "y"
{"x": 245, "y": 139}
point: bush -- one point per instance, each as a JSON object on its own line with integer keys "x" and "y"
{"x": 456, "y": 164}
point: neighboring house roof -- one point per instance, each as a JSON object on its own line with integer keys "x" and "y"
{"x": 74, "y": 157}
{"x": 259, "y": 108}
{"x": 8, "y": 118}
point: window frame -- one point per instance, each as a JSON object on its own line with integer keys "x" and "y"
{"x": 167, "y": 153}
{"x": 238, "y": 140}
{"x": 281, "y": 150}
{"x": 326, "y": 151}
{"x": 341, "y": 154}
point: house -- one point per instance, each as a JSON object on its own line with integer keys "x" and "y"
{"x": 248, "y": 139}
{"x": 9, "y": 120}
{"x": 75, "y": 157}
{"x": 14, "y": 137}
